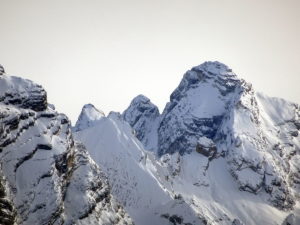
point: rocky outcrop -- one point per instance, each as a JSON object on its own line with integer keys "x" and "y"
{"x": 2, "y": 71}
{"x": 7, "y": 211}
{"x": 143, "y": 117}
{"x": 22, "y": 93}
{"x": 206, "y": 147}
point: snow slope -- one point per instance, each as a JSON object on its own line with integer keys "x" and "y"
{"x": 131, "y": 171}
{"x": 228, "y": 154}
{"x": 46, "y": 177}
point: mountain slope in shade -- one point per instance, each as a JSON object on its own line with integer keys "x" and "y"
{"x": 46, "y": 177}
{"x": 229, "y": 154}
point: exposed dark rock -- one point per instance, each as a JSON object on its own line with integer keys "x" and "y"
{"x": 142, "y": 115}
{"x": 174, "y": 219}
{"x": 23, "y": 93}
{"x": 61, "y": 163}
{"x": 7, "y": 211}
{"x": 44, "y": 146}
{"x": 208, "y": 148}
{"x": 183, "y": 121}
{"x": 297, "y": 124}
{"x": 295, "y": 133}
{"x": 237, "y": 222}
{"x": 2, "y": 71}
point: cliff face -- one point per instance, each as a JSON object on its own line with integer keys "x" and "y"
{"x": 143, "y": 116}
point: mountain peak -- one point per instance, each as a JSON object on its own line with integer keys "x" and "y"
{"x": 142, "y": 104}
{"x": 88, "y": 117}
{"x": 214, "y": 68}
{"x": 215, "y": 74}
{"x": 140, "y": 99}
{"x": 143, "y": 117}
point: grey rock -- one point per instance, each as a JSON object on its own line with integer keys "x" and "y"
{"x": 143, "y": 117}
{"x": 2, "y": 71}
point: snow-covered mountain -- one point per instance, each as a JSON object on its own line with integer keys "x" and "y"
{"x": 220, "y": 153}
{"x": 45, "y": 176}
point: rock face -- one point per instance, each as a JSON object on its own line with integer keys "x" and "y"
{"x": 143, "y": 116}
{"x": 22, "y": 93}
{"x": 7, "y": 211}
{"x": 88, "y": 117}
{"x": 197, "y": 107}
{"x": 206, "y": 147}
{"x": 46, "y": 177}
{"x": 2, "y": 71}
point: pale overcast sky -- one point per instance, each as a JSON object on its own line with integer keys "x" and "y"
{"x": 107, "y": 52}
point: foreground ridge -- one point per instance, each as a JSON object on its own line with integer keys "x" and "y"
{"x": 45, "y": 176}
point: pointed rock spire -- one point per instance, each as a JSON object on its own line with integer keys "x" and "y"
{"x": 88, "y": 117}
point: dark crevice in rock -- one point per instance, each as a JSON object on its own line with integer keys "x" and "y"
{"x": 7, "y": 211}
{"x": 30, "y": 155}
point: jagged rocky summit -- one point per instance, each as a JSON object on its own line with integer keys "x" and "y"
{"x": 257, "y": 135}
{"x": 45, "y": 176}
{"x": 142, "y": 115}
